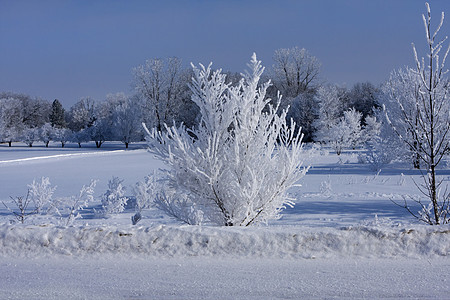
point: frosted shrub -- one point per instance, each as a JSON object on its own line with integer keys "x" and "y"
{"x": 236, "y": 168}
{"x": 179, "y": 206}
{"x": 346, "y": 133}
{"x": 41, "y": 193}
{"x": 326, "y": 188}
{"x": 145, "y": 193}
{"x": 113, "y": 200}
{"x": 22, "y": 205}
{"x": 377, "y": 154}
{"x": 75, "y": 204}
{"x": 70, "y": 207}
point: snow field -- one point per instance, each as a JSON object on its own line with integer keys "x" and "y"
{"x": 344, "y": 239}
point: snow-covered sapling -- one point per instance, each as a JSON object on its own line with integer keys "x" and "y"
{"x": 237, "y": 166}
{"x": 22, "y": 208}
{"x": 423, "y": 122}
{"x": 113, "y": 200}
{"x": 77, "y": 203}
{"x": 145, "y": 193}
{"x": 41, "y": 193}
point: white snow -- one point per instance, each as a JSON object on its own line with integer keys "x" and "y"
{"x": 343, "y": 239}
{"x": 218, "y": 278}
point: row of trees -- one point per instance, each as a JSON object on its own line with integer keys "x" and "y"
{"x": 162, "y": 96}
{"x": 29, "y": 120}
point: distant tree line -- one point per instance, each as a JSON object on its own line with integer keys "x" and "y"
{"x": 162, "y": 95}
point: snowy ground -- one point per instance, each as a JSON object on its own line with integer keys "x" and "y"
{"x": 343, "y": 239}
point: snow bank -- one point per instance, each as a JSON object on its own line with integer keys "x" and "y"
{"x": 269, "y": 242}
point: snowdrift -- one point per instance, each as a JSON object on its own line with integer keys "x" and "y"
{"x": 257, "y": 242}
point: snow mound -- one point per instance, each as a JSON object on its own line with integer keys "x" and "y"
{"x": 182, "y": 241}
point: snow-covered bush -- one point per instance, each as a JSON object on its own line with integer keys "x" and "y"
{"x": 346, "y": 133}
{"x": 145, "y": 192}
{"x": 236, "y": 168}
{"x": 330, "y": 99}
{"x": 72, "y": 206}
{"x": 113, "y": 200}
{"x": 41, "y": 193}
{"x": 382, "y": 145}
{"x": 22, "y": 206}
{"x": 372, "y": 129}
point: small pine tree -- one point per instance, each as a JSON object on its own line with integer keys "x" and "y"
{"x": 57, "y": 115}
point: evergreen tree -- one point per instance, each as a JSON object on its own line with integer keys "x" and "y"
{"x": 57, "y": 115}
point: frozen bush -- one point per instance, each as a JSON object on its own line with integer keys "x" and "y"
{"x": 237, "y": 166}
{"x": 70, "y": 207}
{"x": 145, "y": 192}
{"x": 113, "y": 200}
{"x": 41, "y": 193}
{"x": 22, "y": 208}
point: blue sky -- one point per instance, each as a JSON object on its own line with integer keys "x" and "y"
{"x": 71, "y": 49}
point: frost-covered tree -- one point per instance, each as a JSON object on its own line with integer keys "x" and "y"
{"x": 346, "y": 133}
{"x": 11, "y": 114}
{"x": 127, "y": 120}
{"x": 304, "y": 110}
{"x": 332, "y": 103}
{"x": 82, "y": 114}
{"x": 295, "y": 71}
{"x": 364, "y": 97}
{"x": 18, "y": 112}
{"x": 371, "y": 130}
{"x": 380, "y": 143}
{"x": 114, "y": 199}
{"x": 30, "y": 135}
{"x": 61, "y": 135}
{"x": 295, "y": 75}
{"x": 157, "y": 83}
{"x": 145, "y": 193}
{"x": 81, "y": 136}
{"x": 102, "y": 128}
{"x": 46, "y": 133}
{"x": 99, "y": 132}
{"x": 236, "y": 168}
{"x": 401, "y": 93}
{"x": 41, "y": 193}
{"x": 426, "y": 116}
